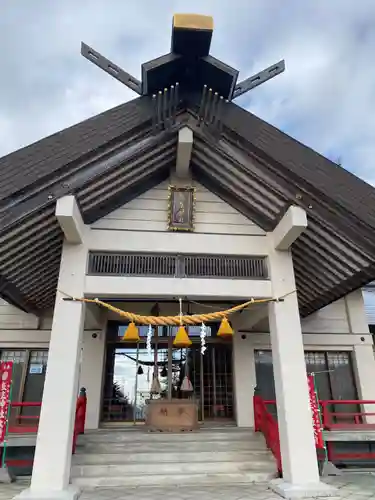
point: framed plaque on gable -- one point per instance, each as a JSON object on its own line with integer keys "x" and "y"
{"x": 181, "y": 208}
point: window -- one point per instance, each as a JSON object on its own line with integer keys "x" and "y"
{"x": 29, "y": 371}
{"x": 334, "y": 374}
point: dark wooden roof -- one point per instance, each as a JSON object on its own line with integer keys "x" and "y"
{"x": 302, "y": 162}
{"x": 28, "y": 166}
{"x": 114, "y": 157}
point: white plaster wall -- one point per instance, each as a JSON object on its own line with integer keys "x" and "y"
{"x": 22, "y": 339}
{"x": 11, "y": 317}
{"x": 91, "y": 375}
{"x": 119, "y": 286}
{"x": 347, "y": 315}
{"x": 141, "y": 226}
{"x": 363, "y": 353}
{"x": 138, "y": 241}
{"x": 329, "y": 319}
{"x": 244, "y": 380}
{"x": 328, "y": 342}
{"x": 356, "y": 313}
{"x": 148, "y": 212}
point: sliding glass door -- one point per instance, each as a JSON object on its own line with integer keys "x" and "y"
{"x": 130, "y": 370}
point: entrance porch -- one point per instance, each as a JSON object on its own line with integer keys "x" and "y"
{"x": 278, "y": 292}
{"x": 130, "y": 368}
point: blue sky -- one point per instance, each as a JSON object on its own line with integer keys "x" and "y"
{"x": 325, "y": 99}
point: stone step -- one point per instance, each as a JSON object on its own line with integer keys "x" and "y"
{"x": 345, "y": 435}
{"x": 172, "y": 480}
{"x": 171, "y": 447}
{"x": 171, "y": 468}
{"x": 139, "y": 426}
{"x": 106, "y": 436}
{"x": 141, "y": 457}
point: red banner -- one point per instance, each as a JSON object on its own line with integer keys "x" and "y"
{"x": 6, "y": 369}
{"x": 314, "y": 404}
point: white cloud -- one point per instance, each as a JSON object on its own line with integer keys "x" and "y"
{"x": 325, "y": 98}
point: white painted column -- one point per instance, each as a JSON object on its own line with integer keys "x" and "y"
{"x": 294, "y": 415}
{"x": 92, "y": 374}
{"x": 52, "y": 461}
{"x": 244, "y": 379}
{"x": 298, "y": 452}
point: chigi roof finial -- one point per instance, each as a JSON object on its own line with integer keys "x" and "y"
{"x": 189, "y": 63}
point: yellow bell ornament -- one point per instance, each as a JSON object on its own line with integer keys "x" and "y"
{"x": 225, "y": 330}
{"x": 182, "y": 338}
{"x": 131, "y": 334}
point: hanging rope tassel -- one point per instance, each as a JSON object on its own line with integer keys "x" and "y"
{"x": 181, "y": 339}
{"x": 131, "y": 333}
{"x": 225, "y": 330}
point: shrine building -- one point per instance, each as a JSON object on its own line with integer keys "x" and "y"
{"x": 176, "y": 204}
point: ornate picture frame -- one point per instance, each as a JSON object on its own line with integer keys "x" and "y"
{"x": 181, "y": 208}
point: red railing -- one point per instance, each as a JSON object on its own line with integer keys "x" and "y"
{"x": 334, "y": 456}
{"x": 23, "y": 424}
{"x": 346, "y": 420}
{"x": 266, "y": 423}
{"x": 18, "y": 425}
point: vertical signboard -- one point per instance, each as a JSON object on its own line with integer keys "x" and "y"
{"x": 314, "y": 404}
{"x": 6, "y": 369}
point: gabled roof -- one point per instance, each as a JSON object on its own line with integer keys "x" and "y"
{"x": 115, "y": 156}
{"x": 40, "y": 161}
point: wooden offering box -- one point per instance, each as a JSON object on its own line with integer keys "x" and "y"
{"x": 172, "y": 415}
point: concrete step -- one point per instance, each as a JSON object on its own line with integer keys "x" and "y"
{"x": 171, "y": 468}
{"x": 141, "y": 426}
{"x": 142, "y": 457}
{"x": 345, "y": 435}
{"x": 172, "y": 480}
{"x": 110, "y": 458}
{"x": 105, "y": 436}
{"x": 171, "y": 447}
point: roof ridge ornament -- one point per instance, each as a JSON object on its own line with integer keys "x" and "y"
{"x": 211, "y": 109}
{"x": 165, "y": 104}
{"x": 189, "y": 63}
{"x": 111, "y": 68}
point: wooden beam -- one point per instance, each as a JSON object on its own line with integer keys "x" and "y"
{"x": 184, "y": 149}
{"x": 70, "y": 219}
{"x": 289, "y": 228}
